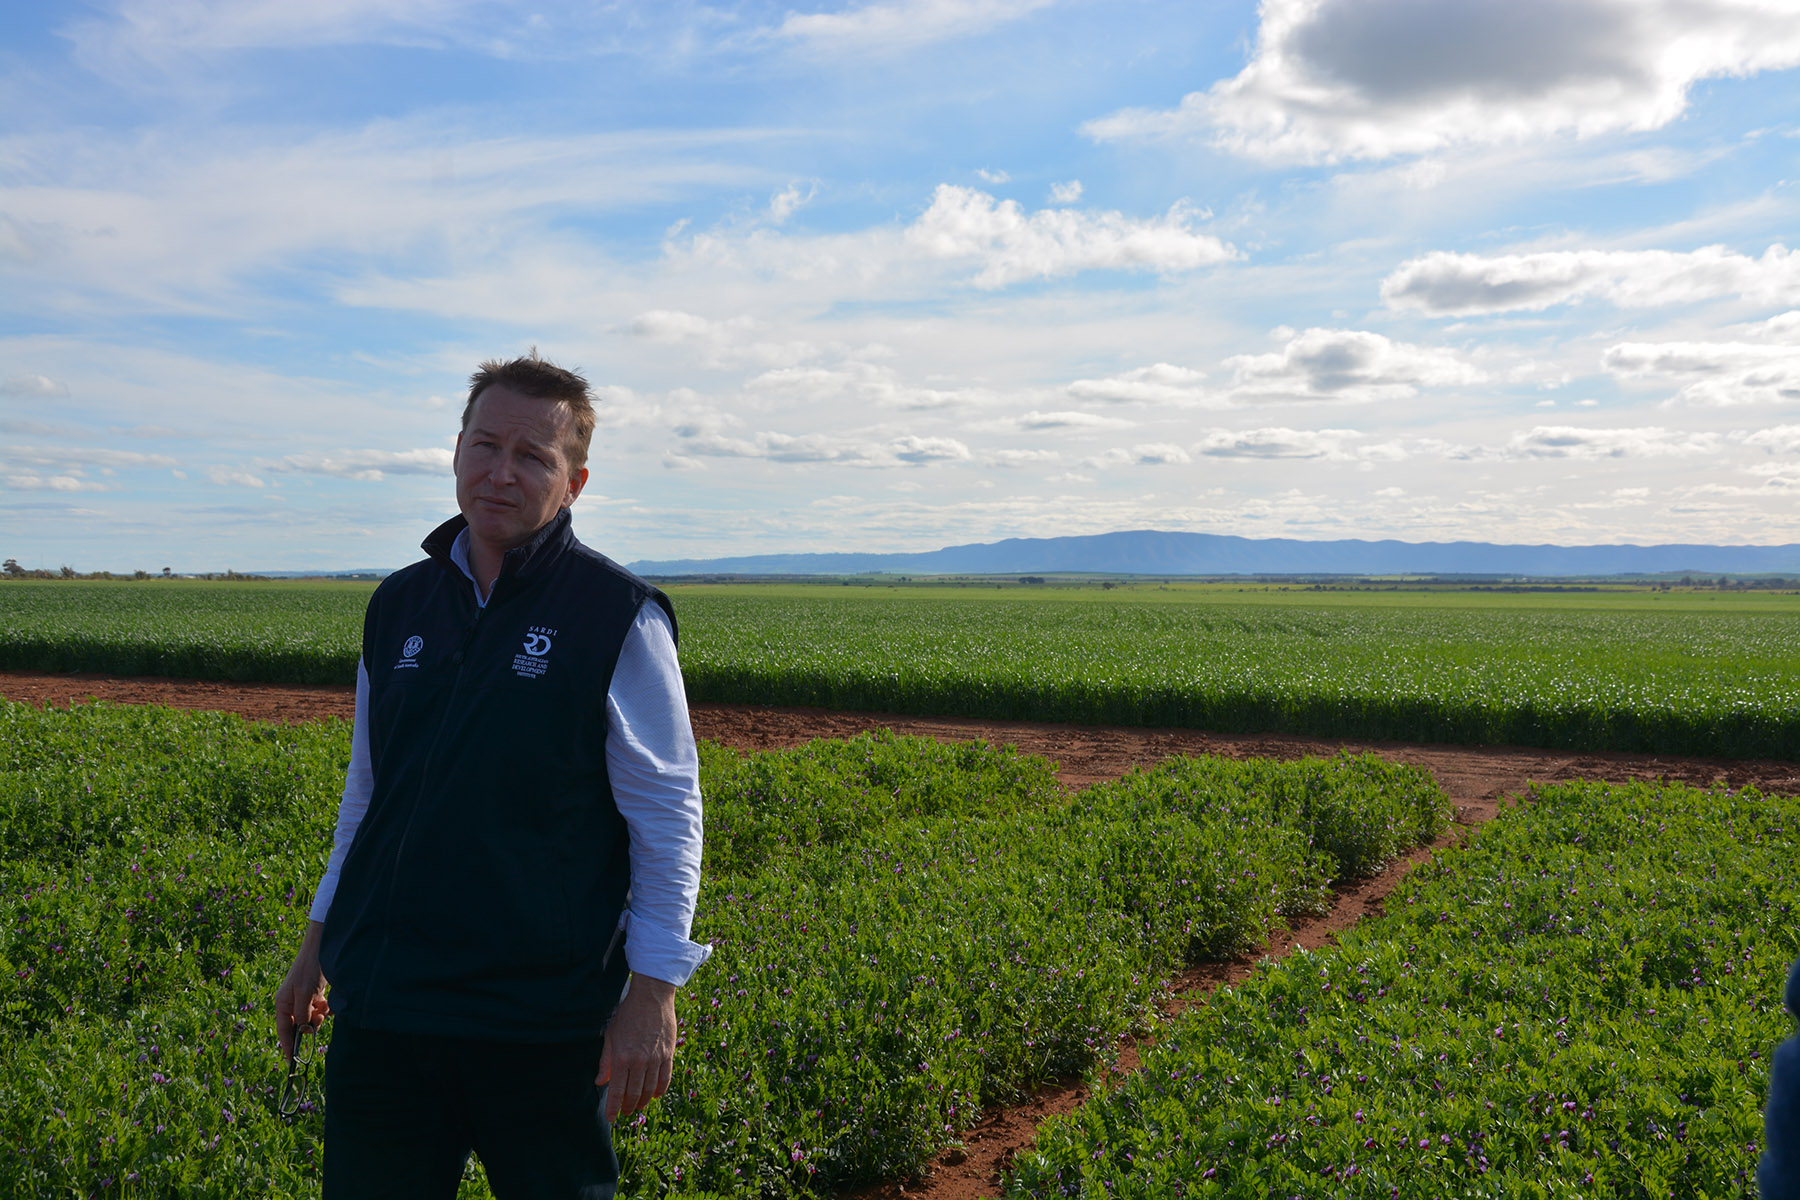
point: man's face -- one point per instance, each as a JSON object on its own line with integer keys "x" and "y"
{"x": 512, "y": 467}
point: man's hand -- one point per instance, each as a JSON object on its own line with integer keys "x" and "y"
{"x": 638, "y": 1055}
{"x": 300, "y": 1000}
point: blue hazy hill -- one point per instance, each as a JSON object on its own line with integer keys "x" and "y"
{"x": 1149, "y": 552}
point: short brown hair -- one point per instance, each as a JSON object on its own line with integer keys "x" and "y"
{"x": 541, "y": 379}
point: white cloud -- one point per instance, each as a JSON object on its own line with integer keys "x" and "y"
{"x": 995, "y": 177}
{"x": 903, "y": 24}
{"x": 1021, "y": 458}
{"x": 860, "y": 382}
{"x": 732, "y": 342}
{"x": 1370, "y": 79}
{"x": 1159, "y": 383}
{"x": 26, "y": 482}
{"x": 1345, "y": 364}
{"x": 74, "y": 460}
{"x": 32, "y": 385}
{"x": 1442, "y": 284}
{"x": 1276, "y": 442}
{"x": 1065, "y": 193}
{"x": 912, "y": 449}
{"x": 706, "y": 439}
{"x": 232, "y": 477}
{"x": 1782, "y": 439}
{"x": 1150, "y": 454}
{"x": 1714, "y": 373}
{"x": 154, "y": 28}
{"x": 1068, "y": 419}
{"x": 367, "y": 465}
{"x": 1567, "y": 441}
{"x": 963, "y": 223}
{"x": 790, "y": 199}
{"x": 155, "y": 222}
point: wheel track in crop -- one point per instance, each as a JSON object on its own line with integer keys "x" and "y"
{"x": 1479, "y": 779}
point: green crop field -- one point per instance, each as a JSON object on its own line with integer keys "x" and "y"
{"x": 1694, "y": 672}
{"x": 1579, "y": 1003}
{"x": 904, "y": 932}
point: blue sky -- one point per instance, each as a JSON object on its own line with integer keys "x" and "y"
{"x": 897, "y": 275}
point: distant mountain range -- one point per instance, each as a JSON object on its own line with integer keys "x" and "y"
{"x": 1149, "y": 552}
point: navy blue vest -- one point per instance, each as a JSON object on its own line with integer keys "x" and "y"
{"x": 481, "y": 895}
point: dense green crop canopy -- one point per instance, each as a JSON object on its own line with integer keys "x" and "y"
{"x": 1686, "y": 672}
{"x": 904, "y": 932}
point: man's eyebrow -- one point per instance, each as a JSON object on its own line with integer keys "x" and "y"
{"x": 530, "y": 443}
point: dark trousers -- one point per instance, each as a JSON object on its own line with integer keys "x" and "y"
{"x": 404, "y": 1111}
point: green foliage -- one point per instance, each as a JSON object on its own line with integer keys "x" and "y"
{"x": 292, "y": 632}
{"x": 1577, "y": 1004}
{"x": 1620, "y": 673}
{"x": 1715, "y": 674}
{"x": 904, "y": 932}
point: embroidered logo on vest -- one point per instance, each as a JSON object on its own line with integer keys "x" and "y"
{"x": 410, "y": 651}
{"x": 532, "y": 663}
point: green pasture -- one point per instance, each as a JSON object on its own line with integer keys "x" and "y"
{"x": 904, "y": 932}
{"x": 1694, "y": 671}
{"x": 1580, "y": 1002}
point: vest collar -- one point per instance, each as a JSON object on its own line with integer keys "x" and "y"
{"x": 519, "y": 564}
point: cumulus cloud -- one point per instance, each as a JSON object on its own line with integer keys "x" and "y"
{"x": 1714, "y": 373}
{"x": 860, "y": 382}
{"x": 1277, "y": 442}
{"x": 1150, "y": 454}
{"x": 902, "y": 24}
{"x": 708, "y": 439}
{"x": 1012, "y": 245}
{"x": 995, "y": 177}
{"x": 1065, "y": 193}
{"x": 1345, "y": 364}
{"x": 790, "y": 199}
{"x": 912, "y": 449}
{"x": 368, "y": 465}
{"x": 26, "y": 482}
{"x": 1068, "y": 419}
{"x": 1567, "y": 441}
{"x": 1443, "y": 284}
{"x": 1370, "y": 79}
{"x": 32, "y": 385}
{"x": 232, "y": 477}
{"x": 732, "y": 342}
{"x": 1159, "y": 383}
{"x": 1021, "y": 458}
{"x": 1782, "y": 439}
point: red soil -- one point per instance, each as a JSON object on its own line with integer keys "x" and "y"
{"x": 1479, "y": 779}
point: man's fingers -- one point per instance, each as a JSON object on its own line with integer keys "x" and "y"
{"x": 629, "y": 1087}
{"x": 604, "y": 1074}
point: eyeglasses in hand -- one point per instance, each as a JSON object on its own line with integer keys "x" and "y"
{"x": 294, "y": 1089}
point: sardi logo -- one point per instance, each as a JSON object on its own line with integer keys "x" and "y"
{"x": 533, "y": 662}
{"x": 410, "y": 652}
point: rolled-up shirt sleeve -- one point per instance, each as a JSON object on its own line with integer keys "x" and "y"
{"x": 655, "y": 772}
{"x": 359, "y": 782}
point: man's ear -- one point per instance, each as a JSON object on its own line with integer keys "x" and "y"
{"x": 577, "y": 481}
{"x": 456, "y": 455}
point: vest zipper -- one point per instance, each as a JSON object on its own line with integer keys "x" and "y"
{"x": 460, "y": 659}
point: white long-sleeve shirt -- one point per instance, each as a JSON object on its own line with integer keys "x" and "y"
{"x": 654, "y": 769}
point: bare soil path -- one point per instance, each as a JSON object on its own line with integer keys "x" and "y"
{"x": 1479, "y": 779}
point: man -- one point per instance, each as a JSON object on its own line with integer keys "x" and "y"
{"x": 519, "y": 833}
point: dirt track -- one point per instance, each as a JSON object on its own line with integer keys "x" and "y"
{"x": 1478, "y": 779}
